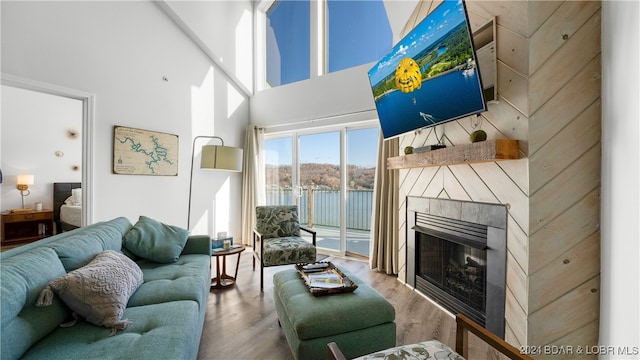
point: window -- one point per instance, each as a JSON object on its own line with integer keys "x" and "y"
{"x": 329, "y": 174}
{"x": 278, "y": 171}
{"x": 298, "y": 42}
{"x": 288, "y": 42}
{"x": 358, "y": 32}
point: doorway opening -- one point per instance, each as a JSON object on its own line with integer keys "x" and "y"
{"x": 87, "y": 101}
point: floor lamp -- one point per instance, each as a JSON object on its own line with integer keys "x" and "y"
{"x": 214, "y": 157}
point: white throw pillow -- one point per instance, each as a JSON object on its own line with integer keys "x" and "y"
{"x": 98, "y": 291}
{"x": 77, "y": 196}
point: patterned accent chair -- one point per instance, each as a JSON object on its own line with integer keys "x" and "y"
{"x": 435, "y": 350}
{"x": 277, "y": 240}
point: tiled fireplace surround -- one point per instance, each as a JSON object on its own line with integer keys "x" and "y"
{"x": 460, "y": 229}
{"x": 549, "y": 99}
{"x": 554, "y": 305}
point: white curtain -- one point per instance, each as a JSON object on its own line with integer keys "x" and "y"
{"x": 252, "y": 181}
{"x": 384, "y": 254}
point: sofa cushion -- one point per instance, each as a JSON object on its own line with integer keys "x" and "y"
{"x": 155, "y": 241}
{"x": 78, "y": 247}
{"x": 98, "y": 291}
{"x": 189, "y": 278}
{"x": 24, "y": 324}
{"x": 287, "y": 250}
{"x": 160, "y": 331}
{"x": 277, "y": 221}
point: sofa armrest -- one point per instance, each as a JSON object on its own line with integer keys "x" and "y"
{"x": 197, "y": 244}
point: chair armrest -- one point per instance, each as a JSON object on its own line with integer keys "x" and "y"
{"x": 198, "y": 244}
{"x": 312, "y": 232}
{"x": 465, "y": 325}
{"x": 334, "y": 352}
{"x": 258, "y": 238}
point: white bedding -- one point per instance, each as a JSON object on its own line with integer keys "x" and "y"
{"x": 71, "y": 214}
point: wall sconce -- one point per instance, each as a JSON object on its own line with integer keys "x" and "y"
{"x": 23, "y": 185}
{"x": 214, "y": 157}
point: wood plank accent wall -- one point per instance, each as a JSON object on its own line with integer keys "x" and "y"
{"x": 549, "y": 99}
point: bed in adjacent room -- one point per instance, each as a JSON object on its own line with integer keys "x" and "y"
{"x": 67, "y": 206}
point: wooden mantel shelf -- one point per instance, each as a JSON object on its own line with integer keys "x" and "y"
{"x": 490, "y": 150}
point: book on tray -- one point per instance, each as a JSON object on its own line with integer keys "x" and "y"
{"x": 329, "y": 278}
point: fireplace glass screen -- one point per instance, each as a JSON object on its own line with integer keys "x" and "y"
{"x": 456, "y": 272}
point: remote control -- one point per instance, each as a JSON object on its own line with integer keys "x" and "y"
{"x": 316, "y": 266}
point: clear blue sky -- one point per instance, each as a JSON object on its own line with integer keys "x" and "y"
{"x": 358, "y": 33}
{"x": 324, "y": 148}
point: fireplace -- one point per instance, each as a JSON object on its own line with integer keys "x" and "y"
{"x": 456, "y": 256}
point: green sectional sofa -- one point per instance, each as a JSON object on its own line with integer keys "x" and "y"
{"x": 166, "y": 311}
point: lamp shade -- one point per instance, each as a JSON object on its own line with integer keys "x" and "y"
{"x": 25, "y": 180}
{"x": 221, "y": 158}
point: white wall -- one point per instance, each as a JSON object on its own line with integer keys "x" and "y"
{"x": 34, "y": 128}
{"x": 225, "y": 28}
{"x": 339, "y": 93}
{"x": 620, "y": 228}
{"x": 121, "y": 51}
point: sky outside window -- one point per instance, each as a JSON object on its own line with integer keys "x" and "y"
{"x": 278, "y": 151}
{"x": 288, "y": 42}
{"x": 324, "y": 148}
{"x": 362, "y": 147}
{"x": 358, "y": 32}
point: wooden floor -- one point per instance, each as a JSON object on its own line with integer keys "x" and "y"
{"x": 241, "y": 322}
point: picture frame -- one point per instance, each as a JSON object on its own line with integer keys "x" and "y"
{"x": 144, "y": 152}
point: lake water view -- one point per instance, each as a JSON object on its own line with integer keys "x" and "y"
{"x": 359, "y": 207}
{"x": 326, "y": 220}
{"x": 452, "y": 95}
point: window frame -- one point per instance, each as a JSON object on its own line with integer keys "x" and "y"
{"x": 318, "y": 42}
{"x": 294, "y": 135}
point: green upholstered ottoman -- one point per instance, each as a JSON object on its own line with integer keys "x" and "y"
{"x": 360, "y": 322}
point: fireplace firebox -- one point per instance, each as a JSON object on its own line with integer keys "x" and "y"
{"x": 456, "y": 256}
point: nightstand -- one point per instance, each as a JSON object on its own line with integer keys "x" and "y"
{"x": 26, "y": 226}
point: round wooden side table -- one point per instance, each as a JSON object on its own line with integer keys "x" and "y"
{"x": 222, "y": 279}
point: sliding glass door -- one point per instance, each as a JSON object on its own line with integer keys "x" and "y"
{"x": 320, "y": 185}
{"x": 361, "y": 158}
{"x": 278, "y": 156}
{"x": 329, "y": 175}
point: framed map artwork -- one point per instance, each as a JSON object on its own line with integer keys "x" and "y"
{"x": 144, "y": 152}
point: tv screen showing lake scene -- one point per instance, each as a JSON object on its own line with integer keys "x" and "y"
{"x": 430, "y": 76}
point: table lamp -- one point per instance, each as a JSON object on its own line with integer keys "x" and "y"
{"x": 23, "y": 185}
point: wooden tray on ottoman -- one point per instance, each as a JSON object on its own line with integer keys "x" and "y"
{"x": 326, "y": 280}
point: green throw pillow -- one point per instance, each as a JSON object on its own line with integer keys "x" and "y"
{"x": 155, "y": 241}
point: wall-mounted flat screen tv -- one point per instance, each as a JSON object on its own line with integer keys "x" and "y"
{"x": 431, "y": 76}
